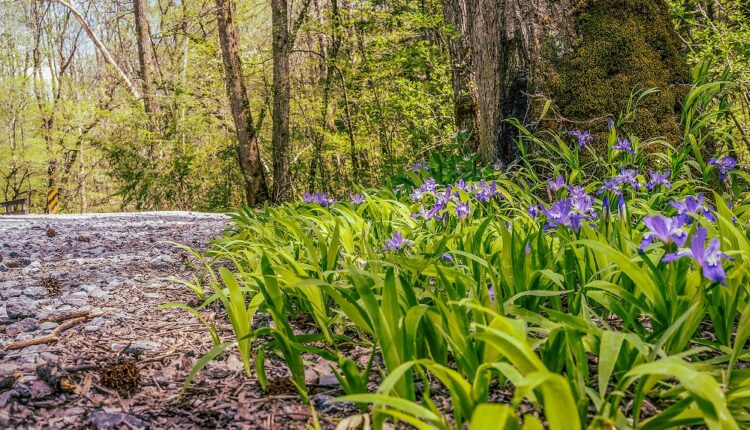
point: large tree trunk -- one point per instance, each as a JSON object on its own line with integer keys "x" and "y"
{"x": 256, "y": 190}
{"x": 587, "y": 56}
{"x": 279, "y": 22}
{"x": 144, "y": 53}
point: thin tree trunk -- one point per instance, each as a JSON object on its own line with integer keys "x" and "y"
{"x": 145, "y": 57}
{"x": 281, "y": 179}
{"x": 464, "y": 99}
{"x": 100, "y": 46}
{"x": 256, "y": 190}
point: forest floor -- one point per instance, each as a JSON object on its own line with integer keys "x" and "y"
{"x": 93, "y": 284}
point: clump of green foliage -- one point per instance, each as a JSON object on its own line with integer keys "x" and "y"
{"x": 588, "y": 295}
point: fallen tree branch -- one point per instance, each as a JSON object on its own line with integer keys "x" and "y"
{"x": 53, "y": 336}
{"x": 72, "y": 314}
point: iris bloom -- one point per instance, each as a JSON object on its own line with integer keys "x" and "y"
{"x": 725, "y": 165}
{"x": 665, "y": 229}
{"x": 397, "y": 242}
{"x": 623, "y": 145}
{"x": 485, "y": 192}
{"x": 561, "y": 213}
{"x": 557, "y": 184}
{"x": 584, "y": 137}
{"x": 356, "y": 199}
{"x": 318, "y": 198}
{"x": 419, "y": 165}
{"x": 708, "y": 258}
{"x": 692, "y": 205}
{"x": 462, "y": 210}
{"x": 658, "y": 178}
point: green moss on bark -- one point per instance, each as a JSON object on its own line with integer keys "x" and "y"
{"x": 622, "y": 46}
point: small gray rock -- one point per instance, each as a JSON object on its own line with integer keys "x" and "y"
{"x": 49, "y": 357}
{"x": 23, "y": 326}
{"x": 48, "y": 325}
{"x": 106, "y": 420}
{"x": 34, "y": 266}
{"x": 7, "y": 368}
{"x": 35, "y": 292}
{"x": 20, "y": 307}
{"x": 74, "y": 301}
{"x": 40, "y": 389}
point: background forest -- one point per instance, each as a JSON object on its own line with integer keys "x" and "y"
{"x": 370, "y": 92}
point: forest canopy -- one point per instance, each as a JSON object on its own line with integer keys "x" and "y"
{"x": 372, "y": 87}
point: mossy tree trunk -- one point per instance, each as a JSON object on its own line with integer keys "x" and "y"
{"x": 588, "y": 56}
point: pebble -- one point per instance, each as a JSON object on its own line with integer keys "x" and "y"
{"x": 7, "y": 368}
{"x": 48, "y": 325}
{"x": 109, "y": 420}
{"x": 20, "y": 307}
{"x": 35, "y": 292}
{"x": 74, "y": 301}
{"x": 49, "y": 357}
{"x": 23, "y": 326}
{"x": 33, "y": 267}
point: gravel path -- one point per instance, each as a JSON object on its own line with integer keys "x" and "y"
{"x": 116, "y": 266}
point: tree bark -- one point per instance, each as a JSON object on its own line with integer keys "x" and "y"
{"x": 256, "y": 190}
{"x": 279, "y": 22}
{"x": 587, "y": 56}
{"x": 464, "y": 99}
{"x": 145, "y": 57}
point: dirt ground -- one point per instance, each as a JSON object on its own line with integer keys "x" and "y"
{"x": 94, "y": 285}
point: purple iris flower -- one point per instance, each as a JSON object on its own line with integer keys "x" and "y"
{"x": 462, "y": 210}
{"x": 623, "y": 145}
{"x": 416, "y": 195}
{"x": 533, "y": 211}
{"x": 419, "y": 165}
{"x": 308, "y": 198}
{"x": 485, "y": 192}
{"x": 584, "y": 204}
{"x": 445, "y": 197}
{"x": 491, "y": 292}
{"x": 447, "y": 257}
{"x": 610, "y": 123}
{"x": 658, "y": 178}
{"x": 629, "y": 176}
{"x": 725, "y": 165}
{"x": 397, "y": 242}
{"x": 557, "y": 184}
{"x": 708, "y": 258}
{"x": 461, "y": 185}
{"x": 428, "y": 186}
{"x": 318, "y": 198}
{"x": 584, "y": 137}
{"x": 692, "y": 205}
{"x": 356, "y": 199}
{"x": 610, "y": 184}
{"x": 576, "y": 192}
{"x": 665, "y": 229}
{"x": 561, "y": 213}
